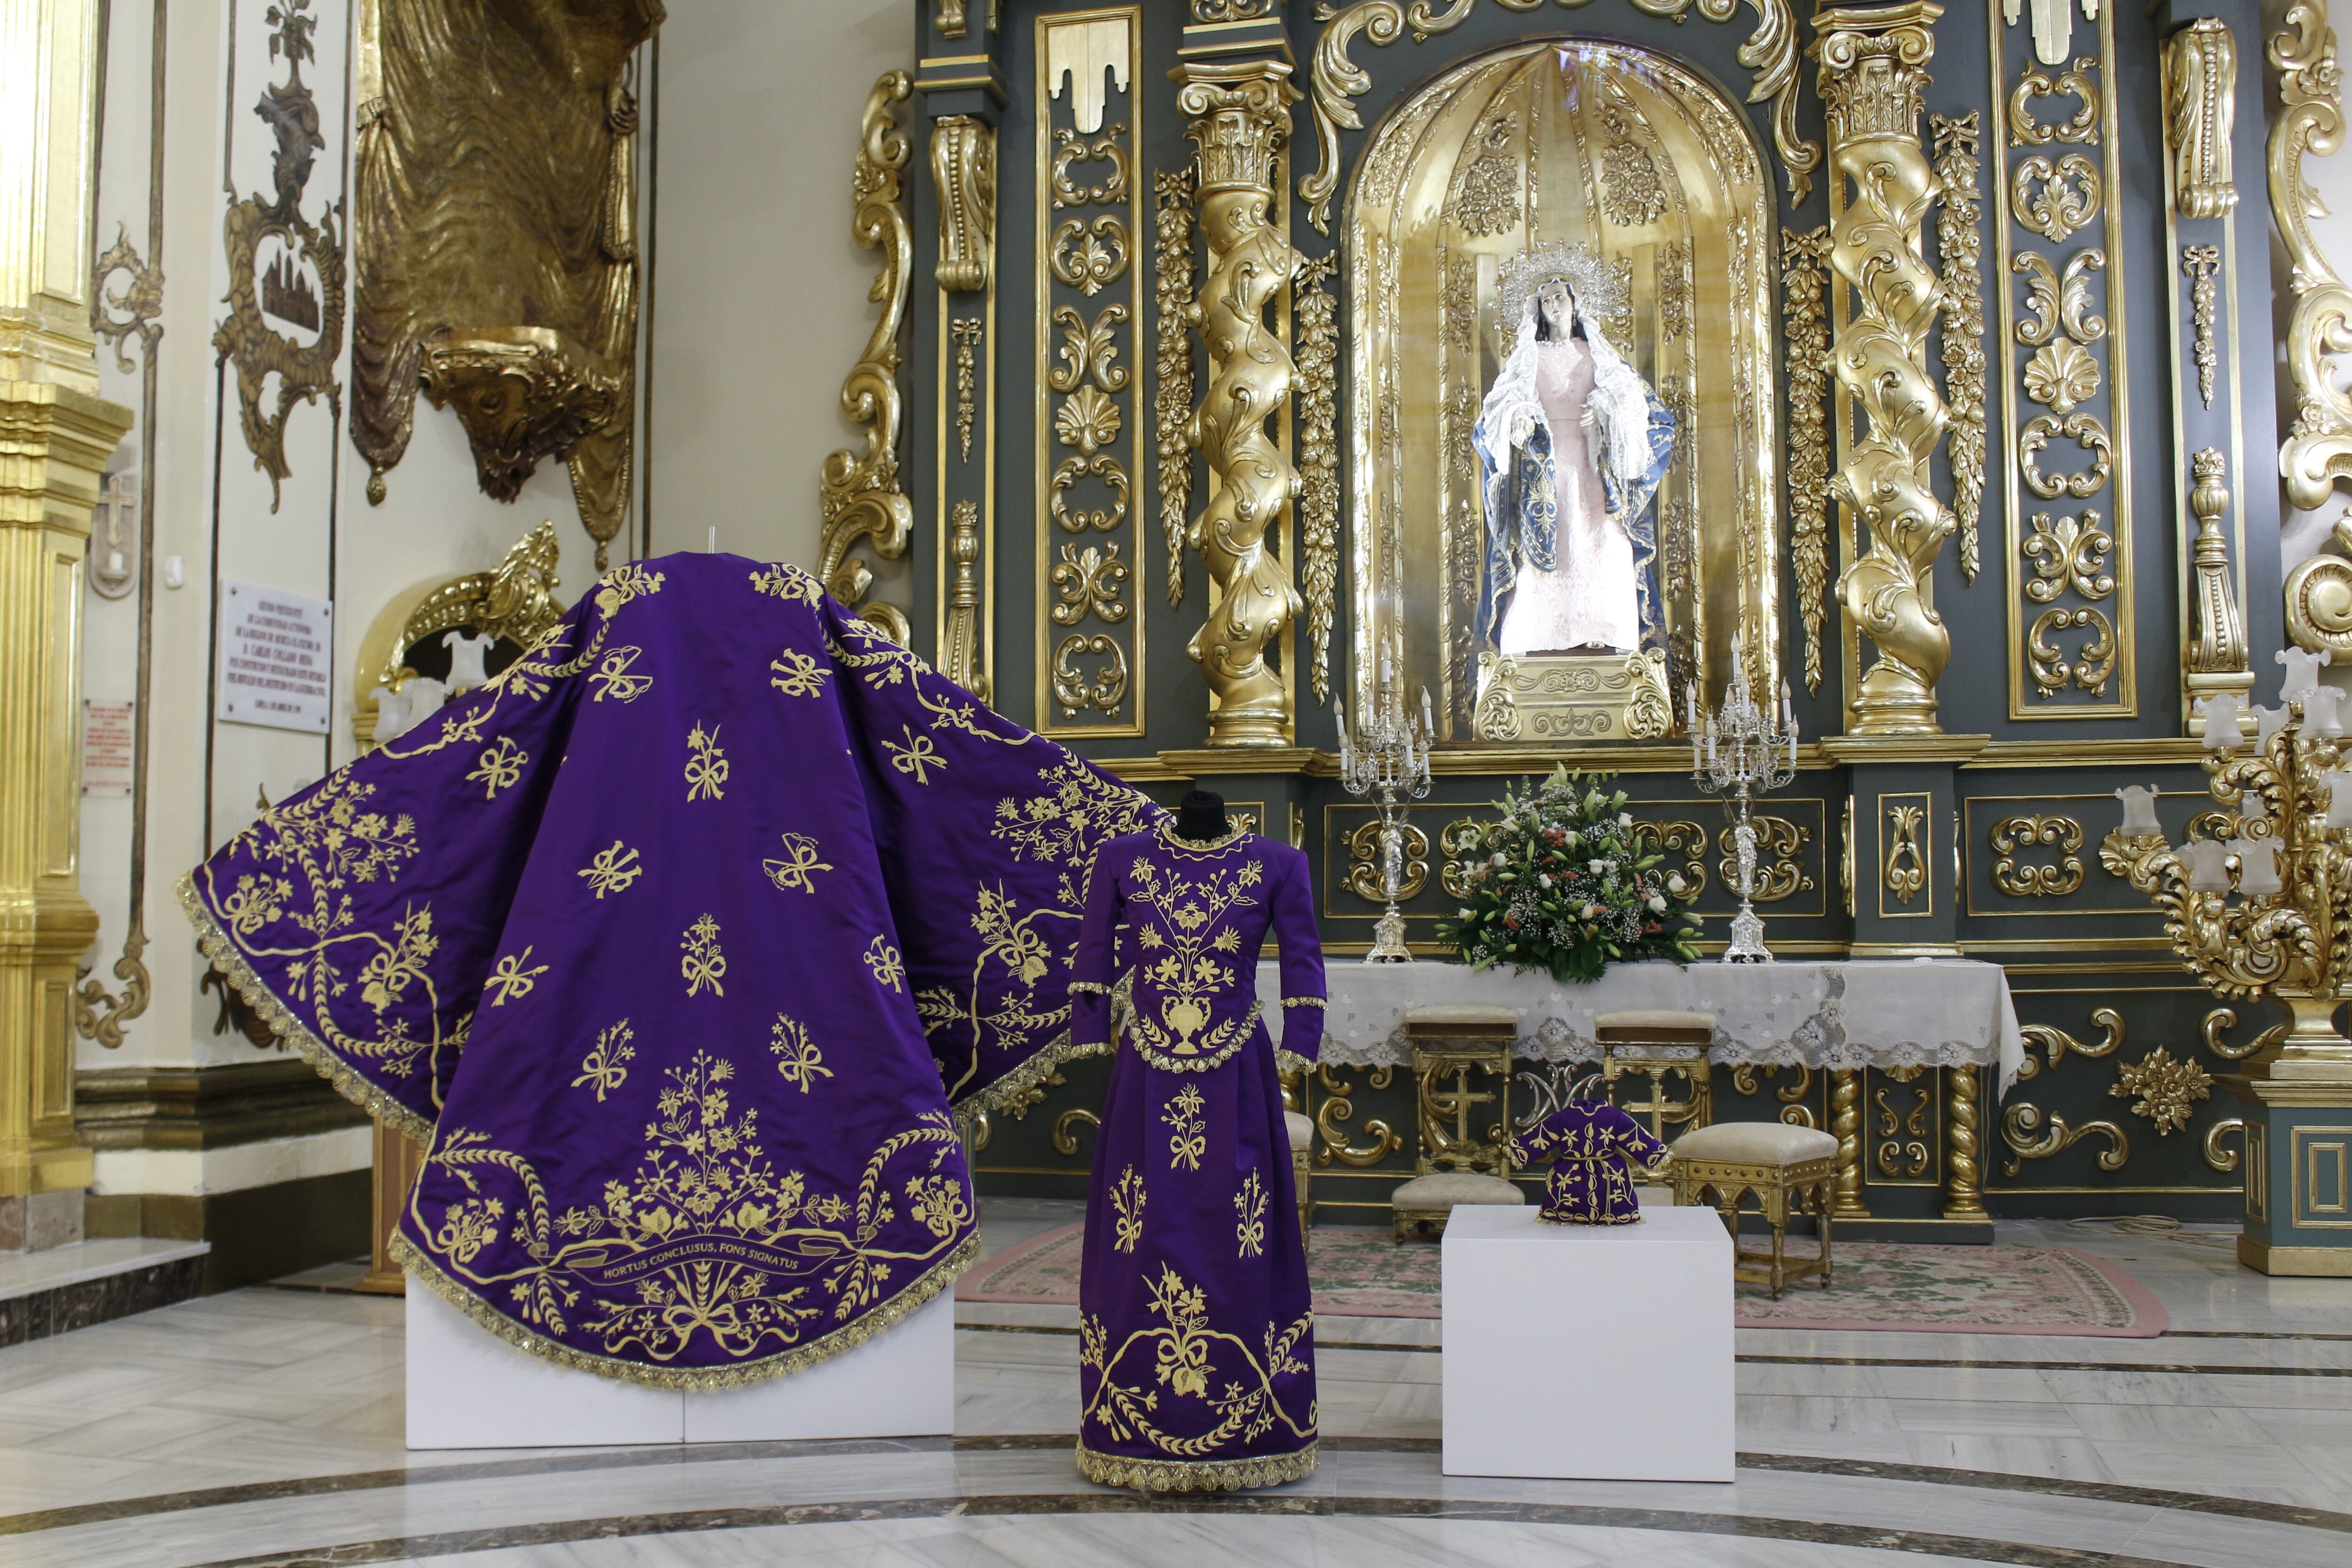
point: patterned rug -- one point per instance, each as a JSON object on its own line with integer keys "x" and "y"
{"x": 1362, "y": 1273}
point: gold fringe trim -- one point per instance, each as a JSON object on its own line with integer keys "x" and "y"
{"x": 1196, "y": 1474}
{"x": 1291, "y": 1061}
{"x": 799, "y": 1358}
{"x": 216, "y": 945}
{"x": 1002, "y": 1094}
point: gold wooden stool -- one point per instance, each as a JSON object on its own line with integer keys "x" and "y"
{"x": 1302, "y": 1144}
{"x": 1458, "y": 1163}
{"x": 1788, "y": 1169}
{"x": 1656, "y": 1045}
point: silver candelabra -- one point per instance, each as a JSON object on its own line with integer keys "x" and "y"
{"x": 1741, "y": 753}
{"x": 1391, "y": 754}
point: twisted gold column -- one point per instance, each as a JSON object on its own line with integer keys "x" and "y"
{"x": 1239, "y": 115}
{"x": 1845, "y": 1126}
{"x": 1963, "y": 1173}
{"x": 1870, "y": 80}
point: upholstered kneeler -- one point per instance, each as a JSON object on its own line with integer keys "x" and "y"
{"x": 1302, "y": 1144}
{"x": 1423, "y": 1204}
{"x": 1787, "y": 1169}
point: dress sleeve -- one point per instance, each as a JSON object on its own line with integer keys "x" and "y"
{"x": 1090, "y": 973}
{"x": 1303, "y": 992}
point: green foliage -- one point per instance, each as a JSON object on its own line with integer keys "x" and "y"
{"x": 1559, "y": 883}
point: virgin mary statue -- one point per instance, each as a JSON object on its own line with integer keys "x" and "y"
{"x": 1572, "y": 443}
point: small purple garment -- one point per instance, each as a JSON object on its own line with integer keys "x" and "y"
{"x": 1586, "y": 1143}
{"x": 674, "y": 943}
{"x": 1196, "y": 1359}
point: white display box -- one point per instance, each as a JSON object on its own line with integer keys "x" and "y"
{"x": 469, "y": 1389}
{"x": 1588, "y": 1351}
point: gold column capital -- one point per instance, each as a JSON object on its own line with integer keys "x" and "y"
{"x": 54, "y": 444}
{"x": 49, "y": 81}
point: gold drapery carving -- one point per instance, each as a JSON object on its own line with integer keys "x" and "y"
{"x": 1770, "y": 52}
{"x": 305, "y": 373}
{"x": 2318, "y": 451}
{"x": 1960, "y": 250}
{"x": 496, "y": 254}
{"x": 2213, "y": 658}
{"x": 1872, "y": 72}
{"x": 1238, "y": 116}
{"x": 2201, "y": 103}
{"x": 858, "y": 496}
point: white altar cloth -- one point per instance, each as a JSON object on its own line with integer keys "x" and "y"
{"x": 1878, "y": 1013}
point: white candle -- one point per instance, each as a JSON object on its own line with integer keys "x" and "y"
{"x": 2222, "y": 729}
{"x": 2257, "y": 867}
{"x": 1428, "y": 719}
{"x": 2139, "y": 811}
{"x": 2208, "y": 868}
{"x": 2339, "y": 796}
{"x": 713, "y": 547}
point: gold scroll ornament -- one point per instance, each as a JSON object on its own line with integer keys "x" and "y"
{"x": 858, "y": 496}
{"x": 2318, "y": 449}
{"x": 1872, "y": 76}
{"x": 1238, "y": 116}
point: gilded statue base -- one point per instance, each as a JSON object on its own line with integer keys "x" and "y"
{"x": 1572, "y": 696}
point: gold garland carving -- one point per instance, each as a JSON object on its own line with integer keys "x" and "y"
{"x": 1872, "y": 76}
{"x": 2012, "y": 834}
{"x": 1960, "y": 250}
{"x": 2201, "y": 264}
{"x": 1770, "y": 52}
{"x": 1804, "y": 293}
{"x": 1238, "y": 116}
{"x": 2318, "y": 451}
{"x": 858, "y": 497}
{"x": 1318, "y": 458}
{"x": 1172, "y": 402}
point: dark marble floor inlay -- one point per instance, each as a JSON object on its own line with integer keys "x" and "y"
{"x": 1247, "y": 1504}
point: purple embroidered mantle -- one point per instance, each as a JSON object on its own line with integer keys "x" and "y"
{"x": 1196, "y": 1352}
{"x": 674, "y": 943}
{"x": 1587, "y": 1144}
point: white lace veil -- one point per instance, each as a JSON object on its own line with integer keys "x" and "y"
{"x": 1620, "y": 401}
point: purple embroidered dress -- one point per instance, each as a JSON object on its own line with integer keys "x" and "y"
{"x": 676, "y": 943}
{"x": 1196, "y": 1359}
{"x": 1588, "y": 1144}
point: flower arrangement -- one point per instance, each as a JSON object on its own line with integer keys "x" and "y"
{"x": 1559, "y": 883}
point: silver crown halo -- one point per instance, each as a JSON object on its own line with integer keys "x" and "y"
{"x": 1603, "y": 287}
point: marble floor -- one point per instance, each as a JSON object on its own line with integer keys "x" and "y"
{"x": 264, "y": 1427}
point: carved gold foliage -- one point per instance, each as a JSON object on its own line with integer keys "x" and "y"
{"x": 1770, "y": 52}
{"x": 495, "y": 242}
{"x": 1102, "y": 519}
{"x": 858, "y": 496}
{"x": 2164, "y": 1090}
{"x": 1960, "y": 250}
{"x": 1074, "y": 688}
{"x": 2012, "y": 834}
{"x": 2202, "y": 264}
{"x": 2056, "y": 1043}
{"x": 1630, "y": 191}
{"x": 1485, "y": 199}
{"x": 2081, "y": 129}
{"x": 2068, "y": 552}
{"x": 2055, "y": 199}
{"x": 1319, "y": 459}
{"x": 1872, "y": 76}
{"x": 1088, "y": 260}
{"x": 2088, "y": 432}
{"x": 1906, "y": 870}
{"x": 2318, "y": 451}
{"x": 1088, "y": 579}
{"x": 1172, "y": 400}
{"x": 1070, "y": 149}
{"x": 1779, "y": 859}
{"x": 2093, "y": 662}
{"x": 245, "y": 340}
{"x": 1089, "y": 348}
{"x": 2200, "y": 104}
{"x": 1679, "y": 839}
{"x": 2060, "y": 302}
{"x": 1363, "y": 879}
{"x": 967, "y": 332}
{"x": 1804, "y": 293}
{"x": 1337, "y": 1108}
{"x": 2033, "y": 1133}
{"x": 1238, "y": 117}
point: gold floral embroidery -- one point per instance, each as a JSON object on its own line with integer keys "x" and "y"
{"x": 501, "y": 764}
{"x": 1249, "y": 1204}
{"x": 511, "y": 980}
{"x": 604, "y": 1066}
{"x": 789, "y": 584}
{"x": 920, "y": 752}
{"x": 796, "y": 869}
{"x": 1188, "y": 951}
{"x": 390, "y": 971}
{"x": 937, "y": 1204}
{"x": 623, "y": 582}
{"x": 876, "y": 658}
{"x": 703, "y": 964}
{"x": 889, "y": 969}
{"x": 706, "y": 770}
{"x": 709, "y": 1241}
{"x": 1127, "y": 1197}
{"x": 613, "y": 679}
{"x": 1188, "y": 1138}
{"x": 613, "y": 870}
{"x": 798, "y": 1060}
{"x": 1187, "y": 1364}
{"x": 796, "y": 674}
{"x": 254, "y": 902}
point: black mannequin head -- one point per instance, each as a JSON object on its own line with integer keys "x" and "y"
{"x": 1201, "y": 816}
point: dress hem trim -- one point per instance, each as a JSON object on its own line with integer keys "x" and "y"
{"x": 1196, "y": 1474}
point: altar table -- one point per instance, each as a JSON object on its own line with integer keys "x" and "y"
{"x": 1838, "y": 1015}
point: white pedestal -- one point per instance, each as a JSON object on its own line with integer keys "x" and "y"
{"x": 1587, "y": 1352}
{"x": 469, "y": 1389}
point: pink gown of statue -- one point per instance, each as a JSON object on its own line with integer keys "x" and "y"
{"x": 1588, "y": 597}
